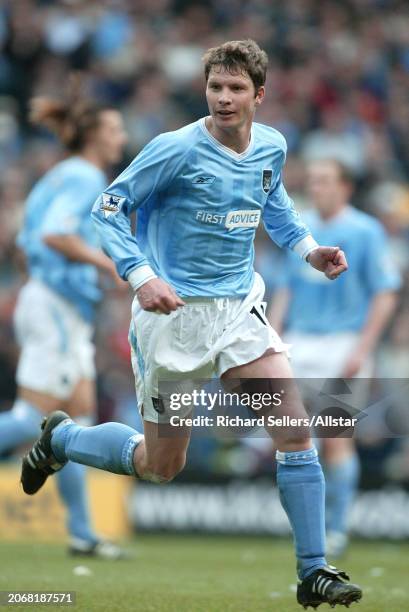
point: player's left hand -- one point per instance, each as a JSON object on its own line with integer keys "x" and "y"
{"x": 330, "y": 260}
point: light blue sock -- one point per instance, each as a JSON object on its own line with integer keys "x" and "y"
{"x": 302, "y": 492}
{"x": 71, "y": 481}
{"x": 107, "y": 447}
{"x": 341, "y": 485}
{"x": 19, "y": 425}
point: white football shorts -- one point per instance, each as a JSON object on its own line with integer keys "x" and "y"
{"x": 323, "y": 355}
{"x": 56, "y": 343}
{"x": 203, "y": 339}
{"x": 320, "y": 357}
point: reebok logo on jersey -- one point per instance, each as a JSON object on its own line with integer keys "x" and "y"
{"x": 203, "y": 180}
{"x": 111, "y": 204}
{"x": 243, "y": 218}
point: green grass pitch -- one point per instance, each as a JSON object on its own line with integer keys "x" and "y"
{"x": 199, "y": 574}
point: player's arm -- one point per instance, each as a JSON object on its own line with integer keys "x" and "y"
{"x": 63, "y": 221}
{"x": 285, "y": 227}
{"x": 380, "y": 313}
{"x": 278, "y": 308}
{"x": 280, "y": 301}
{"x": 382, "y": 279}
{"x": 74, "y": 248}
{"x": 21, "y": 256}
{"x": 148, "y": 175}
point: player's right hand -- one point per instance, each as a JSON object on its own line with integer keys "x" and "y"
{"x": 157, "y": 296}
{"x": 330, "y": 260}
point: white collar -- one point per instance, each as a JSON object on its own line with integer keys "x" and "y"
{"x": 222, "y": 147}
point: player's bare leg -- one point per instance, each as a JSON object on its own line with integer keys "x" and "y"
{"x": 162, "y": 454}
{"x": 275, "y": 366}
{"x": 45, "y": 402}
{"x": 82, "y": 401}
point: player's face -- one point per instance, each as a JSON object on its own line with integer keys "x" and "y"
{"x": 232, "y": 99}
{"x": 327, "y": 191}
{"x": 110, "y": 137}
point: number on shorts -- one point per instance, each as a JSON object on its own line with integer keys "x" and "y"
{"x": 260, "y": 315}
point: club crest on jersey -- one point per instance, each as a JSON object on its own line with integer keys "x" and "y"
{"x": 203, "y": 180}
{"x": 111, "y": 204}
{"x": 267, "y": 177}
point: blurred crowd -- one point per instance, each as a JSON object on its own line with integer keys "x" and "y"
{"x": 337, "y": 85}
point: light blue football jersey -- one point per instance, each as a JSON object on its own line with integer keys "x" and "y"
{"x": 321, "y": 306}
{"x": 199, "y": 204}
{"x": 60, "y": 203}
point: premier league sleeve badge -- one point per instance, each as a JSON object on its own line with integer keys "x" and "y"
{"x": 111, "y": 204}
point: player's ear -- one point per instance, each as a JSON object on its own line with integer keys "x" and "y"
{"x": 260, "y": 95}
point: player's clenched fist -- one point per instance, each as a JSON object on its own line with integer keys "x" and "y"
{"x": 157, "y": 296}
{"x": 330, "y": 260}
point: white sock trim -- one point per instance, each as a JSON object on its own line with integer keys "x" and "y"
{"x": 296, "y": 457}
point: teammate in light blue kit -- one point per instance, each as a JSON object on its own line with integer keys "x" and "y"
{"x": 58, "y": 206}
{"x": 334, "y": 328}
{"x": 200, "y": 193}
{"x": 55, "y": 310}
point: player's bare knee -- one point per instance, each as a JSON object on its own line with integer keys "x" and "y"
{"x": 163, "y": 472}
{"x": 335, "y": 450}
{"x": 157, "y": 478}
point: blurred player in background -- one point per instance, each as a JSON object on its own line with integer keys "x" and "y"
{"x": 55, "y": 309}
{"x": 200, "y": 193}
{"x": 334, "y": 329}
